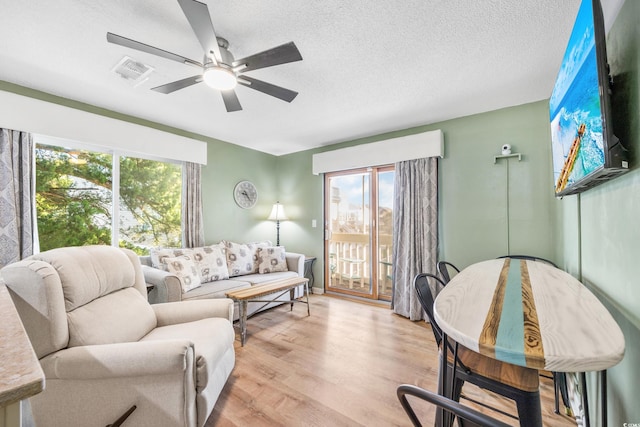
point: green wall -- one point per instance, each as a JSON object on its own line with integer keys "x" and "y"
{"x": 476, "y": 195}
{"x": 228, "y": 164}
{"x": 599, "y": 230}
{"x": 491, "y": 209}
{"x": 301, "y": 192}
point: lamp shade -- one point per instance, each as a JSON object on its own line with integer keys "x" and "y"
{"x": 277, "y": 213}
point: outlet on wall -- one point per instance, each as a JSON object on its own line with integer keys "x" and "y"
{"x": 314, "y": 223}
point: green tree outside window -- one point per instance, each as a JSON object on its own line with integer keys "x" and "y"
{"x": 74, "y": 200}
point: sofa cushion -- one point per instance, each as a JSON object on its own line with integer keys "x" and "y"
{"x": 242, "y": 258}
{"x": 211, "y": 262}
{"x": 216, "y": 289}
{"x": 185, "y": 268}
{"x": 271, "y": 259}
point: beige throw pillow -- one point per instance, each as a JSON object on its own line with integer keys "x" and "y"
{"x": 272, "y": 259}
{"x": 242, "y": 258}
{"x": 211, "y": 262}
{"x": 185, "y": 269}
{"x": 158, "y": 255}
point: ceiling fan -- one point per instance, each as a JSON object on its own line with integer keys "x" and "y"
{"x": 219, "y": 69}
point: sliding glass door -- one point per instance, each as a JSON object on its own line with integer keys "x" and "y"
{"x": 358, "y": 232}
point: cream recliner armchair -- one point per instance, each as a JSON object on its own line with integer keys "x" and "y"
{"x": 104, "y": 348}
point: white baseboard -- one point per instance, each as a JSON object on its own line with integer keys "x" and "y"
{"x": 317, "y": 291}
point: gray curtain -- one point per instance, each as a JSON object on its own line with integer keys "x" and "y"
{"x": 193, "y": 232}
{"x": 17, "y": 220}
{"x": 415, "y": 230}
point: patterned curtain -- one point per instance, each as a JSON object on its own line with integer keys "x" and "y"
{"x": 17, "y": 220}
{"x": 415, "y": 231}
{"x": 193, "y": 232}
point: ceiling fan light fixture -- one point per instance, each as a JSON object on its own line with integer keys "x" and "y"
{"x": 220, "y": 78}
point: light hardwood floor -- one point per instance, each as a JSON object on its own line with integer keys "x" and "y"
{"x": 338, "y": 367}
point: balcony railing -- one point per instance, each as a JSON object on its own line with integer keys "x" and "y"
{"x": 350, "y": 262}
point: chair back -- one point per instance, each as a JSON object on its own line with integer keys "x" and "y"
{"x": 426, "y": 295}
{"x": 451, "y": 406}
{"x": 530, "y": 258}
{"x": 76, "y": 296}
{"x": 447, "y": 270}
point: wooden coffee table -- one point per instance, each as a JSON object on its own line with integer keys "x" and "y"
{"x": 258, "y": 292}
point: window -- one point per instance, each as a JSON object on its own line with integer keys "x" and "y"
{"x": 78, "y": 190}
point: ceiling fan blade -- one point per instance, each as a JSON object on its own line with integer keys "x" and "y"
{"x": 231, "y": 100}
{"x": 177, "y": 85}
{"x": 282, "y": 54}
{"x": 132, "y": 44}
{"x": 197, "y": 14}
{"x": 268, "y": 88}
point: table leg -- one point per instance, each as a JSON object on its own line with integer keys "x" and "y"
{"x": 585, "y": 399}
{"x": 442, "y": 418}
{"x": 443, "y": 365}
{"x": 556, "y": 386}
{"x": 243, "y": 321}
{"x": 439, "y": 419}
{"x": 603, "y": 397}
{"x": 530, "y": 411}
{"x": 603, "y": 403}
{"x": 292, "y": 296}
{"x": 306, "y": 291}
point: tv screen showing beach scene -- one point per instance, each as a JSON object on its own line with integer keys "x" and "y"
{"x": 575, "y": 108}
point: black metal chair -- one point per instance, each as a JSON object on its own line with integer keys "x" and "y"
{"x": 448, "y": 405}
{"x": 447, "y": 270}
{"x": 559, "y": 378}
{"x": 517, "y": 383}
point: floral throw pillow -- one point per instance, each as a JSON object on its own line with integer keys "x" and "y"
{"x": 185, "y": 269}
{"x": 211, "y": 262}
{"x": 271, "y": 259}
{"x": 242, "y": 258}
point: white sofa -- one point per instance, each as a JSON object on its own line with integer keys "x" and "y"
{"x": 103, "y": 348}
{"x": 169, "y": 286}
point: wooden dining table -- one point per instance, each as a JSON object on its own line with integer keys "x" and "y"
{"x": 531, "y": 314}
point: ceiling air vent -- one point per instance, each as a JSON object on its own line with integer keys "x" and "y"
{"x": 133, "y": 71}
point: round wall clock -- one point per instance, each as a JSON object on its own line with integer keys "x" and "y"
{"x": 245, "y": 194}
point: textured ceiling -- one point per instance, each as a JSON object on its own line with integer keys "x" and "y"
{"x": 369, "y": 66}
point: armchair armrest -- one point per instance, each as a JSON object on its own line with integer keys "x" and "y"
{"x": 295, "y": 262}
{"x": 190, "y": 311}
{"x": 166, "y": 286}
{"x": 132, "y": 359}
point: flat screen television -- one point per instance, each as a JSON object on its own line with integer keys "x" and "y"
{"x": 584, "y": 149}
